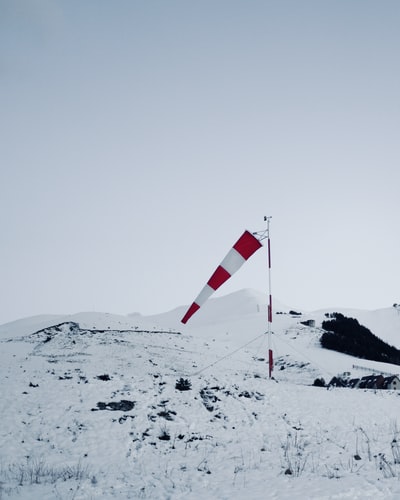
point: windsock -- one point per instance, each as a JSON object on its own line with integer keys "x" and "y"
{"x": 242, "y": 250}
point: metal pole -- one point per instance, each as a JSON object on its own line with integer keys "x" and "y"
{"x": 270, "y": 353}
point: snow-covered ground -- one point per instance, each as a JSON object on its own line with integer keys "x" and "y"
{"x": 91, "y": 408}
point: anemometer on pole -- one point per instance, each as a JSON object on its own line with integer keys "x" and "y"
{"x": 241, "y": 251}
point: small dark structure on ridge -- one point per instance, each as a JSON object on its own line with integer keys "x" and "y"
{"x": 368, "y": 382}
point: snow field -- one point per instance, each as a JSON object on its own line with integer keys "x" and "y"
{"x": 96, "y": 414}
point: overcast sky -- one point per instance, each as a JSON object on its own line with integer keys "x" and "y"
{"x": 140, "y": 138}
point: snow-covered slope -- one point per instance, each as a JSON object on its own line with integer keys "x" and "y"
{"x": 90, "y": 408}
{"x": 89, "y": 320}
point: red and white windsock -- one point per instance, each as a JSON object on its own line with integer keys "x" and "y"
{"x": 242, "y": 250}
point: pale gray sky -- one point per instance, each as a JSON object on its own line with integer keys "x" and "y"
{"x": 139, "y": 139}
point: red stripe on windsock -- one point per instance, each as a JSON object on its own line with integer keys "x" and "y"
{"x": 218, "y": 278}
{"x": 247, "y": 244}
{"x": 192, "y": 309}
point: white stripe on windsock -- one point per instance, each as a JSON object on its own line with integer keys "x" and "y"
{"x": 233, "y": 261}
{"x": 204, "y": 295}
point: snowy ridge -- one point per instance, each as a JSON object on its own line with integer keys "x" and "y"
{"x": 87, "y": 320}
{"x": 92, "y": 407}
{"x": 236, "y": 305}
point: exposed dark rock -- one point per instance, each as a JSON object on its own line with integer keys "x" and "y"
{"x": 122, "y": 405}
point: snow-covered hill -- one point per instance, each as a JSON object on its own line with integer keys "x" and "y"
{"x": 91, "y": 408}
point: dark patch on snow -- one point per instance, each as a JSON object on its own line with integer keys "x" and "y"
{"x": 167, "y": 414}
{"x": 247, "y": 394}
{"x": 122, "y": 405}
{"x": 124, "y": 418}
{"x": 209, "y": 398}
{"x": 164, "y": 436}
{"x": 183, "y": 384}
